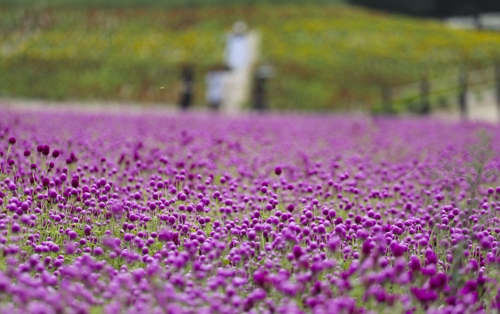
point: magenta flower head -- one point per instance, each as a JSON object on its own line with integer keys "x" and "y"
{"x": 438, "y": 282}
{"x": 75, "y": 182}
{"x": 69, "y": 248}
{"x": 98, "y": 251}
{"x": 333, "y": 244}
{"x": 261, "y": 278}
{"x": 117, "y": 209}
{"x": 398, "y": 250}
{"x": 290, "y": 207}
{"x": 424, "y": 295}
{"x": 56, "y": 153}
{"x": 27, "y": 153}
{"x": 46, "y": 150}
{"x": 12, "y": 140}
{"x": 414, "y": 264}
{"x": 367, "y": 247}
{"x": 15, "y": 228}
{"x": 297, "y": 252}
{"x": 278, "y": 170}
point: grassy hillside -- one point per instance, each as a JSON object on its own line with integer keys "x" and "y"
{"x": 326, "y": 56}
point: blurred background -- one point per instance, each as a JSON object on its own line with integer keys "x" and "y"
{"x": 376, "y": 56}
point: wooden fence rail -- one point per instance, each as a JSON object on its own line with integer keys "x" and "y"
{"x": 421, "y": 95}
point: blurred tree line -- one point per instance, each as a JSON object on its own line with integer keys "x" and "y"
{"x": 433, "y": 8}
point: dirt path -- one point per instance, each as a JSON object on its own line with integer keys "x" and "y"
{"x": 88, "y": 107}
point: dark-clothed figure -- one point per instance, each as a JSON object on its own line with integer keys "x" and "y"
{"x": 259, "y": 87}
{"x": 187, "y": 87}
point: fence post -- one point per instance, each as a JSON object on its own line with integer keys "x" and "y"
{"x": 424, "y": 96}
{"x": 386, "y": 100}
{"x": 477, "y": 21}
{"x": 497, "y": 86}
{"x": 462, "y": 94}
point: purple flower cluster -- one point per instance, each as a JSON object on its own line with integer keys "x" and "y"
{"x": 259, "y": 214}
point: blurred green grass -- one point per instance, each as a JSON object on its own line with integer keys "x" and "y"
{"x": 325, "y": 56}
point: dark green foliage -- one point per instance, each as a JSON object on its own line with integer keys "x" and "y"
{"x": 432, "y": 8}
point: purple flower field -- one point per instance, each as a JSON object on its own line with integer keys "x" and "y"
{"x": 192, "y": 213}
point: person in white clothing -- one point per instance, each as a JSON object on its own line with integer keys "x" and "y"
{"x": 238, "y": 59}
{"x": 236, "y": 53}
{"x": 216, "y": 86}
